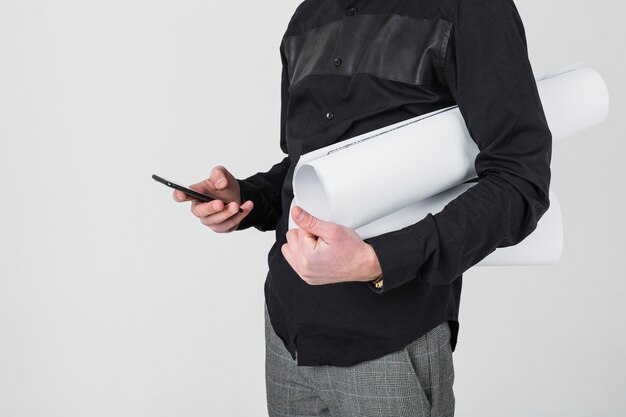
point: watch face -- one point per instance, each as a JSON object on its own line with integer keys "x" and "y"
{"x": 378, "y": 282}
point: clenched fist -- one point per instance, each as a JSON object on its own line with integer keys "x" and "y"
{"x": 221, "y": 217}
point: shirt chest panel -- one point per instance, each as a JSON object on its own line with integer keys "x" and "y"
{"x": 388, "y": 46}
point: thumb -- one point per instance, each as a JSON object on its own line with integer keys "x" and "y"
{"x": 220, "y": 177}
{"x": 310, "y": 223}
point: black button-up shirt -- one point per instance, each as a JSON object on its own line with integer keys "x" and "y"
{"x": 350, "y": 67}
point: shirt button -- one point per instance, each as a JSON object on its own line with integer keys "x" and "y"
{"x": 330, "y": 115}
{"x": 337, "y": 62}
{"x": 353, "y": 10}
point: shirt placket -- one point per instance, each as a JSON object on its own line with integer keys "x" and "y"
{"x": 335, "y": 61}
{"x": 326, "y": 91}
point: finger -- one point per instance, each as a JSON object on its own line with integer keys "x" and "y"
{"x": 210, "y": 185}
{"x": 293, "y": 238}
{"x": 295, "y": 246}
{"x": 307, "y": 239}
{"x": 203, "y": 209}
{"x": 231, "y": 222}
{"x": 312, "y": 224}
{"x": 221, "y": 216}
{"x": 180, "y": 196}
{"x": 205, "y": 187}
{"x": 219, "y": 177}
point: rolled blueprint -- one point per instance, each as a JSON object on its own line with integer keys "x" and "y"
{"x": 432, "y": 153}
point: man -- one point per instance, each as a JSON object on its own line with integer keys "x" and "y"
{"x": 367, "y": 327}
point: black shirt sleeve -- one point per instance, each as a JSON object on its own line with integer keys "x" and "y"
{"x": 264, "y": 188}
{"x": 489, "y": 75}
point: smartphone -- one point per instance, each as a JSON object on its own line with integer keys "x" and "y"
{"x": 188, "y": 191}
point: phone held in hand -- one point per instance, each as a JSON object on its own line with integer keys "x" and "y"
{"x": 191, "y": 193}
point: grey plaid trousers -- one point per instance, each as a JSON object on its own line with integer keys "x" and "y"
{"x": 415, "y": 381}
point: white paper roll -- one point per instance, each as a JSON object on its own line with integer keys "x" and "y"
{"x": 542, "y": 247}
{"x": 432, "y": 153}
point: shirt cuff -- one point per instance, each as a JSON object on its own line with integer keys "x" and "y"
{"x": 249, "y": 191}
{"x": 401, "y": 253}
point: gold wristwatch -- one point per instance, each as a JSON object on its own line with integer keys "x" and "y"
{"x": 377, "y": 282}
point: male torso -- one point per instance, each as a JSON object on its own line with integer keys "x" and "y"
{"x": 349, "y": 68}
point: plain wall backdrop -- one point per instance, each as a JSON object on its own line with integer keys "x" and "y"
{"x": 116, "y": 301}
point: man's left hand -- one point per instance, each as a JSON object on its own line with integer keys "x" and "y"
{"x": 322, "y": 252}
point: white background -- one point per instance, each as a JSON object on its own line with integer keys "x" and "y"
{"x": 116, "y": 301}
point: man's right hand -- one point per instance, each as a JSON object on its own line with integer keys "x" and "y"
{"x": 220, "y": 217}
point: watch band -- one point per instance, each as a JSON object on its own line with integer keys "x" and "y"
{"x": 377, "y": 282}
